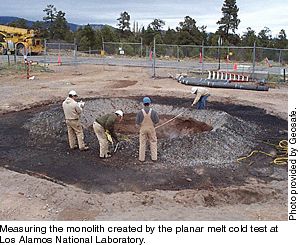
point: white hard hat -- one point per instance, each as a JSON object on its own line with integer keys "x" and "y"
{"x": 193, "y": 90}
{"x": 119, "y": 113}
{"x": 73, "y": 93}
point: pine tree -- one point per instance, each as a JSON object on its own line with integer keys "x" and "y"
{"x": 229, "y": 21}
{"x": 188, "y": 33}
{"x": 124, "y": 24}
{"x": 51, "y": 12}
{"x": 60, "y": 26}
{"x": 157, "y": 25}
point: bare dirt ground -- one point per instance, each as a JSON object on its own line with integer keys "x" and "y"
{"x": 25, "y": 197}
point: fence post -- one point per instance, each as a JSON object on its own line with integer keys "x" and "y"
{"x": 76, "y": 63}
{"x": 279, "y": 60}
{"x": 178, "y": 58}
{"x": 219, "y": 44}
{"x": 104, "y": 53}
{"x": 147, "y": 58}
{"x": 227, "y": 61}
{"x": 253, "y": 62}
{"x": 141, "y": 47}
{"x": 203, "y": 59}
{"x": 154, "y": 58}
{"x": 45, "y": 55}
{"x": 15, "y": 58}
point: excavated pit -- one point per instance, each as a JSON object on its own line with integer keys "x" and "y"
{"x": 198, "y": 149}
{"x": 179, "y": 127}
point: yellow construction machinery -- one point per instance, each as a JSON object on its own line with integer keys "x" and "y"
{"x": 20, "y": 40}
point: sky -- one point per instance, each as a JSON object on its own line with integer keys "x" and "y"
{"x": 255, "y": 14}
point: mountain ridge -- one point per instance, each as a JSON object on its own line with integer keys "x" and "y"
{"x": 7, "y": 19}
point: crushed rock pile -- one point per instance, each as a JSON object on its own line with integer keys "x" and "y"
{"x": 230, "y": 138}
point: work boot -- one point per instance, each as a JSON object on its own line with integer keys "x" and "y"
{"x": 106, "y": 156}
{"x": 85, "y": 148}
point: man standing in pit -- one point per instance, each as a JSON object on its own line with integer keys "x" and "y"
{"x": 72, "y": 111}
{"x": 103, "y": 128}
{"x": 202, "y": 95}
{"x": 147, "y": 118}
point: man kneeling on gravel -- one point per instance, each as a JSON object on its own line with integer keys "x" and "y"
{"x": 104, "y": 126}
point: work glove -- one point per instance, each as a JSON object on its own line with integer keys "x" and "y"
{"x": 109, "y": 136}
{"x": 192, "y": 104}
{"x": 81, "y": 104}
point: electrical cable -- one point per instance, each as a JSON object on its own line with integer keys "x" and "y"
{"x": 282, "y": 159}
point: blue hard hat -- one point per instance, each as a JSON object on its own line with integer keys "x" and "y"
{"x": 146, "y": 100}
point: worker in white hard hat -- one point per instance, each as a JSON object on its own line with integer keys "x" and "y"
{"x": 72, "y": 111}
{"x": 201, "y": 96}
{"x": 147, "y": 118}
{"x": 104, "y": 129}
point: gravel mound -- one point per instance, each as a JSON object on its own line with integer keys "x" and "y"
{"x": 230, "y": 138}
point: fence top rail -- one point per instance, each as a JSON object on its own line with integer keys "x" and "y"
{"x": 92, "y": 50}
{"x": 62, "y": 43}
{"x": 227, "y": 47}
{"x": 120, "y": 43}
{"x": 282, "y": 49}
{"x": 175, "y": 45}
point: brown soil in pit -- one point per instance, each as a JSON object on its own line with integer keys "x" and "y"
{"x": 181, "y": 126}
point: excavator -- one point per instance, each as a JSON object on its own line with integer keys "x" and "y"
{"x": 19, "y": 40}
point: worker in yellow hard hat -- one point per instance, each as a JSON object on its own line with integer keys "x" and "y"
{"x": 104, "y": 129}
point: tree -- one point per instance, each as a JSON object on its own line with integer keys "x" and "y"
{"x": 124, "y": 24}
{"x": 86, "y": 37}
{"x": 84, "y": 44}
{"x": 169, "y": 37}
{"x": 107, "y": 33}
{"x": 281, "y": 42}
{"x": 229, "y": 21}
{"x": 55, "y": 25}
{"x": 148, "y": 35}
{"x": 188, "y": 33}
{"x": 189, "y": 24}
{"x": 39, "y": 26}
{"x": 203, "y": 34}
{"x": 20, "y": 23}
{"x": 61, "y": 28}
{"x": 157, "y": 25}
{"x": 50, "y": 11}
{"x": 248, "y": 38}
{"x": 265, "y": 37}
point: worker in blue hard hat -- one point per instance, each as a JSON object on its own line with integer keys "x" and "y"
{"x": 147, "y": 118}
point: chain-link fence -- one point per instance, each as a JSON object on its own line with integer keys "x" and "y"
{"x": 165, "y": 60}
{"x": 255, "y": 62}
{"x": 16, "y": 57}
{"x": 113, "y": 56}
{"x": 123, "y": 56}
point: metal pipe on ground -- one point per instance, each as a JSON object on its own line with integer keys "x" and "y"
{"x": 185, "y": 80}
{"x": 214, "y": 83}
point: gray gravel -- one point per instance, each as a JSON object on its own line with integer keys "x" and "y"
{"x": 230, "y": 138}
